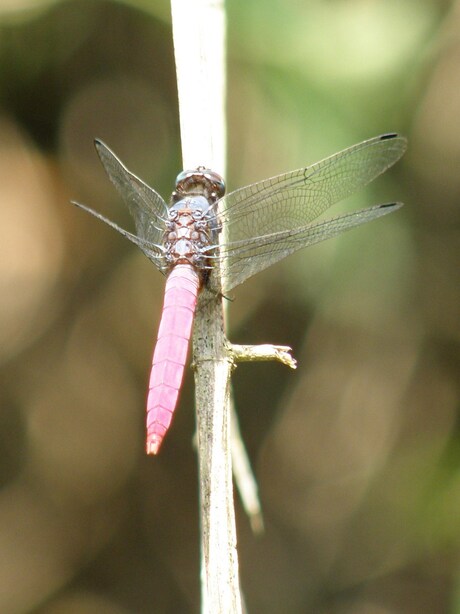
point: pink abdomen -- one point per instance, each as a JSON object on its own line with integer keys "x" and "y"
{"x": 170, "y": 352}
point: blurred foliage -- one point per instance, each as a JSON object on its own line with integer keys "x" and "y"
{"x": 357, "y": 453}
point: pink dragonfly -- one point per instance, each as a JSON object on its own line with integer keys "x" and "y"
{"x": 264, "y": 222}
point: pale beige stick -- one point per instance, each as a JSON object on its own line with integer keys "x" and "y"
{"x": 199, "y": 46}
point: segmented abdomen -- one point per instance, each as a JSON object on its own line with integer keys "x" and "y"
{"x": 170, "y": 352}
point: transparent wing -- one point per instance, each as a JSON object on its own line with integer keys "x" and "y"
{"x": 146, "y": 206}
{"x": 242, "y": 259}
{"x": 152, "y": 251}
{"x": 268, "y": 220}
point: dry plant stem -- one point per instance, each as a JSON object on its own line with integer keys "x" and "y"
{"x": 199, "y": 47}
{"x": 199, "y": 33}
{"x": 220, "y": 587}
{"x": 244, "y": 477}
{"x": 256, "y": 353}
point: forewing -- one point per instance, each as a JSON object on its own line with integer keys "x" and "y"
{"x": 295, "y": 199}
{"x": 146, "y": 206}
{"x": 266, "y": 221}
{"x": 242, "y": 259}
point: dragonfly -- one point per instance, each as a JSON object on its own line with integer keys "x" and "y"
{"x": 205, "y": 237}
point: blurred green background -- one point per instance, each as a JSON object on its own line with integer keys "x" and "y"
{"x": 357, "y": 452}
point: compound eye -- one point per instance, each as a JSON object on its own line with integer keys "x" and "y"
{"x": 218, "y": 184}
{"x": 220, "y": 189}
{"x": 182, "y": 176}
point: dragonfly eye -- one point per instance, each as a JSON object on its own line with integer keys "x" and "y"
{"x": 218, "y": 185}
{"x": 201, "y": 181}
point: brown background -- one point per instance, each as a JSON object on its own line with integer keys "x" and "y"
{"x": 357, "y": 452}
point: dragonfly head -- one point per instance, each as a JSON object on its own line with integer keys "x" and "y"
{"x": 201, "y": 181}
